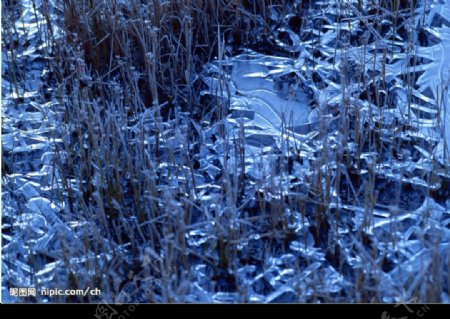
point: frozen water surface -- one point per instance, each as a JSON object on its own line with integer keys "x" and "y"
{"x": 269, "y": 120}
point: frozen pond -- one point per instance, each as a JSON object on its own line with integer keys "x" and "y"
{"x": 268, "y": 103}
{"x": 320, "y": 166}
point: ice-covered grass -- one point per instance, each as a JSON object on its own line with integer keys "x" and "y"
{"x": 309, "y": 168}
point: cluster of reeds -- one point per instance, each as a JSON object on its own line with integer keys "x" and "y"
{"x": 127, "y": 78}
{"x": 125, "y": 71}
